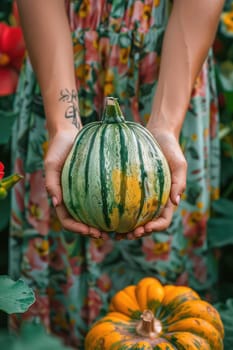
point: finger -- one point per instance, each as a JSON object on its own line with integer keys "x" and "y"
{"x": 130, "y": 236}
{"x": 77, "y": 227}
{"x": 138, "y": 232}
{"x": 163, "y": 221}
{"x": 53, "y": 184}
{"x": 178, "y": 185}
{"x": 120, "y": 236}
{"x": 105, "y": 236}
{"x": 159, "y": 224}
{"x": 93, "y": 232}
{"x": 176, "y": 161}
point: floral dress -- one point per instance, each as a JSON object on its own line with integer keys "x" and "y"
{"x": 117, "y": 48}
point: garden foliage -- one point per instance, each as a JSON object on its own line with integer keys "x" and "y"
{"x": 16, "y": 296}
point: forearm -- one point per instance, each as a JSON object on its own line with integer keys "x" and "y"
{"x": 190, "y": 32}
{"x": 48, "y": 40}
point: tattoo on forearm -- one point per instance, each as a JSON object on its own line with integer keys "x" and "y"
{"x": 72, "y": 111}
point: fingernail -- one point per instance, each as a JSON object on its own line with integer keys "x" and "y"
{"x": 149, "y": 230}
{"x": 54, "y": 201}
{"x": 94, "y": 236}
{"x": 138, "y": 235}
{"x": 178, "y": 199}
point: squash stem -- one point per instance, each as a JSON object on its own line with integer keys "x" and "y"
{"x": 112, "y": 112}
{"x": 148, "y": 326}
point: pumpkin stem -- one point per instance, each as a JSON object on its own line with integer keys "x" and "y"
{"x": 148, "y": 326}
{"x": 112, "y": 112}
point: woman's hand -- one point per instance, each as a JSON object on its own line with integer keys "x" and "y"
{"x": 59, "y": 147}
{"x": 171, "y": 149}
{"x": 178, "y": 167}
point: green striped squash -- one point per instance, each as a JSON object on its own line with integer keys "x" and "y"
{"x": 116, "y": 177}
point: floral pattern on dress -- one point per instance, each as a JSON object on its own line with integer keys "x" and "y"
{"x": 117, "y": 47}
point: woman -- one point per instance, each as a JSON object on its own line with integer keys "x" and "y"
{"x": 115, "y": 51}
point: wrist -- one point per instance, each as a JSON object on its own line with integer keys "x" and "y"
{"x": 163, "y": 125}
{"x": 57, "y": 122}
{"x": 62, "y": 128}
{"x": 168, "y": 111}
{"x": 62, "y": 112}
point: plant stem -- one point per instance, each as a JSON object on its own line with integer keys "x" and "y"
{"x": 148, "y": 326}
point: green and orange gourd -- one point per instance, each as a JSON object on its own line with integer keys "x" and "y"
{"x": 150, "y": 316}
{"x": 116, "y": 177}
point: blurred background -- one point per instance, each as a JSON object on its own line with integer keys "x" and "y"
{"x": 220, "y": 226}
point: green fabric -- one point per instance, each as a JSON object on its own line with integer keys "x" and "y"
{"x": 117, "y": 47}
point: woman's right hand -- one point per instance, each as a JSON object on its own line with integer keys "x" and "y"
{"x": 59, "y": 146}
{"x": 171, "y": 149}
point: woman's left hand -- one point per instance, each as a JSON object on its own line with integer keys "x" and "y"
{"x": 59, "y": 146}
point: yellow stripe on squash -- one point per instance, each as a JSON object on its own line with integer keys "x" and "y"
{"x": 118, "y": 316}
{"x": 149, "y": 280}
{"x": 135, "y": 345}
{"x": 122, "y": 302}
{"x": 199, "y": 327}
{"x": 178, "y": 292}
{"x": 112, "y": 339}
{"x": 145, "y": 345}
{"x": 188, "y": 341}
{"x": 155, "y": 295}
{"x": 131, "y": 291}
{"x": 147, "y": 290}
{"x": 199, "y": 309}
{"x": 175, "y": 296}
{"x": 165, "y": 345}
{"x": 98, "y": 332}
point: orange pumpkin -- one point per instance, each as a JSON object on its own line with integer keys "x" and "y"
{"x": 150, "y": 316}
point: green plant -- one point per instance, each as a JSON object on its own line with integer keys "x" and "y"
{"x": 15, "y": 296}
{"x": 225, "y": 309}
{"x": 32, "y": 337}
{"x": 8, "y": 182}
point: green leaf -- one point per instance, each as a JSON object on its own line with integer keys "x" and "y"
{"x": 223, "y": 207}
{"x": 146, "y": 89}
{"x": 15, "y": 296}
{"x": 226, "y": 172}
{"x": 124, "y": 40}
{"x": 31, "y": 336}
{"x": 226, "y": 312}
{"x": 5, "y": 9}
{"x": 118, "y": 8}
{"x": 220, "y": 232}
{"x": 193, "y": 192}
{"x": 6, "y": 120}
{"x": 193, "y": 152}
{"x": 4, "y": 212}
